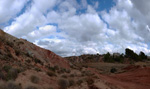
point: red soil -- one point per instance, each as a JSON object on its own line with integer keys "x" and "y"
{"x": 136, "y": 79}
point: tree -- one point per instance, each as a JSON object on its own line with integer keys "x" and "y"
{"x": 142, "y": 55}
{"x": 108, "y": 58}
{"x": 130, "y": 54}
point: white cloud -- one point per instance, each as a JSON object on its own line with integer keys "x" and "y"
{"x": 30, "y": 19}
{"x": 44, "y": 31}
{"x": 129, "y": 25}
{"x": 125, "y": 25}
{"x": 10, "y": 8}
{"x": 84, "y": 27}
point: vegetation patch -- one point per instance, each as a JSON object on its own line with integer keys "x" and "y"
{"x": 50, "y": 73}
{"x": 34, "y": 79}
{"x": 63, "y": 84}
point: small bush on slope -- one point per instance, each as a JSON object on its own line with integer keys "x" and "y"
{"x": 34, "y": 79}
{"x": 63, "y": 84}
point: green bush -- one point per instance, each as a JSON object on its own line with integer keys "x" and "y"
{"x": 142, "y": 56}
{"x": 34, "y": 79}
{"x": 130, "y": 54}
{"x": 113, "y": 70}
{"x": 6, "y": 68}
{"x": 108, "y": 58}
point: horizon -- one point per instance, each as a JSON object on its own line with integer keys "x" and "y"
{"x": 77, "y": 27}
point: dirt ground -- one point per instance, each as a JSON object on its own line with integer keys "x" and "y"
{"x": 128, "y": 76}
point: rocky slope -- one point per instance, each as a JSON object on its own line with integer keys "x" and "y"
{"x": 20, "y": 49}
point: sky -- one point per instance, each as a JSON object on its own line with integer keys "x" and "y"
{"x": 76, "y": 27}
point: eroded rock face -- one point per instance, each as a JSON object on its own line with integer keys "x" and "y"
{"x": 23, "y": 50}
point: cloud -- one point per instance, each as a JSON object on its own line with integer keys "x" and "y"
{"x": 71, "y": 27}
{"x": 45, "y": 31}
{"x": 10, "y": 8}
{"x": 129, "y": 24}
{"x": 31, "y": 18}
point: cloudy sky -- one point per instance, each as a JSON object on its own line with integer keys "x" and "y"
{"x": 75, "y": 27}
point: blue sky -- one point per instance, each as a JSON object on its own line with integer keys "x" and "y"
{"x": 75, "y": 27}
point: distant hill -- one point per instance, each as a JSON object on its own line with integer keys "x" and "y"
{"x": 85, "y": 58}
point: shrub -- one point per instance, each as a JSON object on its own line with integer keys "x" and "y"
{"x": 17, "y": 52}
{"x": 113, "y": 70}
{"x": 131, "y": 54}
{"x": 79, "y": 82}
{"x": 85, "y": 66}
{"x": 28, "y": 55}
{"x": 11, "y": 44}
{"x": 90, "y": 81}
{"x": 12, "y": 74}
{"x": 72, "y": 75}
{"x": 63, "y": 84}
{"x": 52, "y": 69}
{"x": 6, "y": 68}
{"x": 2, "y": 76}
{"x": 37, "y": 61}
{"x": 142, "y": 56}
{"x": 34, "y": 79}
{"x": 37, "y": 69}
{"x": 49, "y": 73}
{"x": 108, "y": 58}
{"x": 64, "y": 76}
{"x": 56, "y": 67}
{"x": 71, "y": 82}
{"x": 9, "y": 55}
{"x": 62, "y": 70}
{"x": 12, "y": 85}
{"x": 28, "y": 61}
{"x": 31, "y": 87}
{"x": 68, "y": 71}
